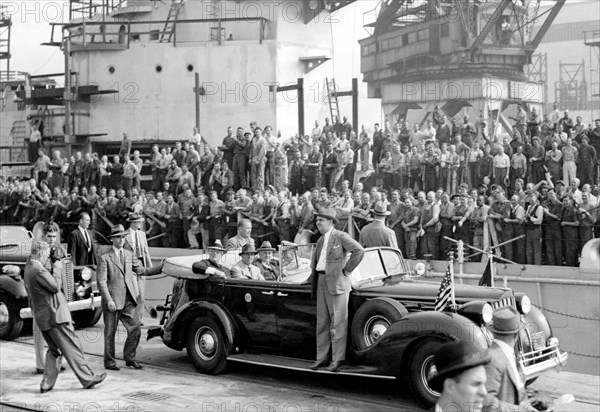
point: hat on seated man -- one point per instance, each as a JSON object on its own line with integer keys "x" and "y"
{"x": 212, "y": 266}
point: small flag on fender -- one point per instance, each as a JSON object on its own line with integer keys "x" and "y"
{"x": 444, "y": 293}
{"x": 486, "y": 278}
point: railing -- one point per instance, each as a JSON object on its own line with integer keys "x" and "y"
{"x": 89, "y": 34}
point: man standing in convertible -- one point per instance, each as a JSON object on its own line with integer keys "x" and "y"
{"x": 331, "y": 285}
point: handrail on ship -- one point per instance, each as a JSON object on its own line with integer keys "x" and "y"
{"x": 84, "y": 28}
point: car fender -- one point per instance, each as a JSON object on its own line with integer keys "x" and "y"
{"x": 392, "y": 351}
{"x": 534, "y": 321}
{"x": 13, "y": 287}
{"x": 174, "y": 333}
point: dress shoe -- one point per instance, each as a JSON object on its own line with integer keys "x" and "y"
{"x": 42, "y": 390}
{"x": 318, "y": 364}
{"x": 97, "y": 379}
{"x": 112, "y": 368}
{"x": 134, "y": 364}
{"x": 39, "y": 371}
{"x": 335, "y": 366}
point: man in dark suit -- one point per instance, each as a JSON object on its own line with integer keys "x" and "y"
{"x": 460, "y": 377}
{"x": 331, "y": 285}
{"x": 268, "y": 267}
{"x": 505, "y": 384}
{"x": 52, "y": 316}
{"x": 118, "y": 270}
{"x": 81, "y": 245}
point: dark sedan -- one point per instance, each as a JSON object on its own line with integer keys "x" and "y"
{"x": 394, "y": 328}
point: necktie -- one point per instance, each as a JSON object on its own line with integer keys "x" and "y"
{"x": 87, "y": 239}
{"x": 122, "y": 257}
{"x": 138, "y": 247}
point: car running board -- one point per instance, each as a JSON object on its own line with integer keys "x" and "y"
{"x": 302, "y": 365}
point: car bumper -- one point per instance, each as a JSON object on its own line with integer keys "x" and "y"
{"x": 85, "y": 304}
{"x": 538, "y": 361}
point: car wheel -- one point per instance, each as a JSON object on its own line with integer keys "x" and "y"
{"x": 10, "y": 320}
{"x": 373, "y": 319}
{"x": 421, "y": 369}
{"x": 206, "y": 346}
{"x": 86, "y": 318}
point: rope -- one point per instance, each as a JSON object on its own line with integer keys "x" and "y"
{"x": 568, "y": 315}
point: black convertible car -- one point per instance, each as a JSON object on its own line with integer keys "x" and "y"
{"x": 394, "y": 329}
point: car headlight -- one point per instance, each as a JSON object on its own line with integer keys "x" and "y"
{"x": 478, "y": 311}
{"x": 86, "y": 274}
{"x": 487, "y": 313}
{"x": 420, "y": 269}
{"x": 523, "y": 303}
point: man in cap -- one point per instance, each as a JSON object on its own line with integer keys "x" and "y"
{"x": 331, "y": 285}
{"x": 244, "y": 269}
{"x": 461, "y": 377}
{"x": 118, "y": 272}
{"x": 52, "y": 316}
{"x": 505, "y": 384}
{"x": 265, "y": 263}
{"x": 377, "y": 233}
{"x": 212, "y": 265}
{"x": 137, "y": 243}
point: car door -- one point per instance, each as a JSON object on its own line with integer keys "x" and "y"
{"x": 296, "y": 320}
{"x": 15, "y": 245}
{"x": 254, "y": 304}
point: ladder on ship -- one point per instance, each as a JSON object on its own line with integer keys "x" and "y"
{"x": 170, "y": 22}
{"x": 332, "y": 99}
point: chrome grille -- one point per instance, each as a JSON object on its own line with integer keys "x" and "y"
{"x": 504, "y": 302}
{"x": 68, "y": 280}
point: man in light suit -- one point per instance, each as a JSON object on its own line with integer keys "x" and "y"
{"x": 244, "y": 269}
{"x": 137, "y": 243}
{"x": 331, "y": 285}
{"x": 81, "y": 245}
{"x": 505, "y": 384}
{"x": 377, "y": 233}
{"x": 118, "y": 270}
{"x": 52, "y": 316}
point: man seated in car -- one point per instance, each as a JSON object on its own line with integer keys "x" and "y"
{"x": 294, "y": 269}
{"x": 265, "y": 263}
{"x": 244, "y": 269}
{"x": 212, "y": 266}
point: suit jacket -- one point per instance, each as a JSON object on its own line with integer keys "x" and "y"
{"x": 503, "y": 394}
{"x": 377, "y": 234}
{"x": 78, "y": 248}
{"x": 268, "y": 273}
{"x": 237, "y": 242}
{"x": 47, "y": 301}
{"x": 116, "y": 279}
{"x": 340, "y": 243}
{"x": 146, "y": 258}
{"x": 241, "y": 271}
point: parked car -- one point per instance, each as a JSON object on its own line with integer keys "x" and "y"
{"x": 394, "y": 330}
{"x": 79, "y": 285}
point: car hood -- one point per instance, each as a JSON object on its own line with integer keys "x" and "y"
{"x": 418, "y": 290}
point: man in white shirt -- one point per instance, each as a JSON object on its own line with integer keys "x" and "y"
{"x": 244, "y": 269}
{"x": 331, "y": 285}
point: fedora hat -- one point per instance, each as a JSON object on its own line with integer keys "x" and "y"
{"x": 328, "y": 213}
{"x": 379, "y": 210}
{"x": 135, "y": 217}
{"x": 118, "y": 230}
{"x": 455, "y": 357}
{"x": 217, "y": 246}
{"x": 266, "y": 247}
{"x": 248, "y": 249}
{"x": 506, "y": 321}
